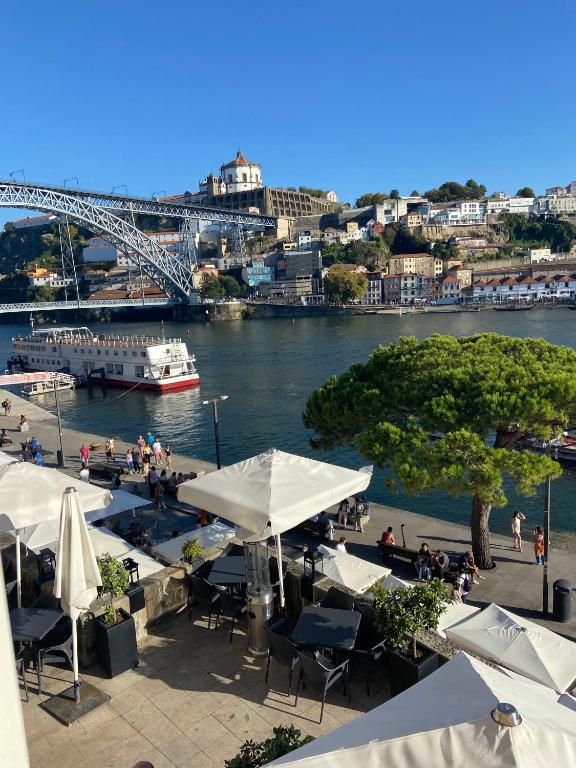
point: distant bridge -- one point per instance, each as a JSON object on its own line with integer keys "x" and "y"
{"x": 97, "y": 211}
{"x": 51, "y": 306}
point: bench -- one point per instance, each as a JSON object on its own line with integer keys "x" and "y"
{"x": 393, "y": 550}
{"x": 313, "y": 527}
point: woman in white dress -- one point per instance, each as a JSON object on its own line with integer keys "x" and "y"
{"x": 517, "y": 518}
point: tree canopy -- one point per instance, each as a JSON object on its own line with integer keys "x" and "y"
{"x": 447, "y": 413}
{"x": 526, "y": 192}
{"x": 341, "y": 286}
{"x": 371, "y": 198}
{"x": 371, "y": 253}
{"x": 452, "y": 190}
{"x": 218, "y": 287}
{"x": 521, "y": 230}
{"x": 445, "y": 249}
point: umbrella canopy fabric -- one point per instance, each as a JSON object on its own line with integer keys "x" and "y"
{"x": 457, "y": 730}
{"x": 274, "y": 491}
{"x": 44, "y": 534}
{"x": 77, "y": 575}
{"x": 350, "y": 571}
{"x": 32, "y": 494}
{"x": 520, "y": 645}
{"x": 13, "y": 749}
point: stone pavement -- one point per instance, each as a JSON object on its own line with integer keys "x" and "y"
{"x": 194, "y": 699}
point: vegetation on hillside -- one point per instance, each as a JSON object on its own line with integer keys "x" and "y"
{"x": 531, "y": 232}
{"x": 341, "y": 287}
{"x": 450, "y": 191}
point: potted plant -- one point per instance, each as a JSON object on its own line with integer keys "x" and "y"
{"x": 257, "y": 753}
{"x": 192, "y": 552}
{"x": 400, "y": 616}
{"x": 115, "y": 631}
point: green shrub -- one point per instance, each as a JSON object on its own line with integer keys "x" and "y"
{"x": 401, "y": 615}
{"x": 115, "y": 582}
{"x": 191, "y": 550}
{"x": 254, "y": 754}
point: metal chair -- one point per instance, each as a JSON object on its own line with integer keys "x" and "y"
{"x": 21, "y": 668}
{"x": 282, "y": 649}
{"x": 232, "y": 606}
{"x": 320, "y": 673}
{"x": 336, "y": 598}
{"x": 54, "y": 648}
{"x": 202, "y": 593}
{"x": 369, "y": 646}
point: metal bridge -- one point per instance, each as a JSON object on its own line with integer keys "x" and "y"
{"x": 98, "y": 211}
{"x": 50, "y": 306}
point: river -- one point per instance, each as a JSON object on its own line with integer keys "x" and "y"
{"x": 269, "y": 367}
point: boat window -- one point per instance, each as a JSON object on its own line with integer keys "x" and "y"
{"x": 115, "y": 353}
{"x": 139, "y": 371}
{"x": 143, "y": 354}
{"x": 75, "y": 351}
{"x": 119, "y": 368}
{"x": 98, "y": 352}
{"x": 124, "y": 353}
{"x": 106, "y": 352}
{"x": 54, "y": 349}
{"x": 109, "y": 367}
{"x": 134, "y": 353}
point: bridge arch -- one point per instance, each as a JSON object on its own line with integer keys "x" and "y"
{"x": 171, "y": 274}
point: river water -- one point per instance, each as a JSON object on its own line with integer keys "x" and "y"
{"x": 269, "y": 367}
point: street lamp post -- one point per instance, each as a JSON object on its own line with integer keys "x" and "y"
{"x": 547, "y": 491}
{"x": 214, "y": 403}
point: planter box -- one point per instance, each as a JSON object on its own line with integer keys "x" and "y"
{"x": 135, "y": 594}
{"x": 116, "y": 645}
{"x": 405, "y": 672}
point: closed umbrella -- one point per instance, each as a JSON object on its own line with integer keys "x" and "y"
{"x": 13, "y": 749}
{"x": 32, "y": 495}
{"x": 77, "y": 576}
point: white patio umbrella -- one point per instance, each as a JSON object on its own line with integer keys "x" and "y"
{"x": 31, "y": 494}
{"x": 13, "y": 748}
{"x": 77, "y": 575}
{"x": 273, "y": 492}
{"x": 447, "y": 720}
{"x": 519, "y": 644}
{"x": 350, "y": 571}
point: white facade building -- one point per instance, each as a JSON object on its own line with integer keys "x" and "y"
{"x": 543, "y": 288}
{"x": 509, "y": 205}
{"x": 40, "y": 278}
{"x": 554, "y": 206}
{"x": 459, "y": 213}
{"x": 241, "y": 175}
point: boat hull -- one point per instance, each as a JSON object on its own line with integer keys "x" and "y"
{"x": 170, "y": 386}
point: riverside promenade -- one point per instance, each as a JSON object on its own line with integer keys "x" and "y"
{"x": 515, "y": 583}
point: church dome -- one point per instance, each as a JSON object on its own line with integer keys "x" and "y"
{"x": 240, "y": 160}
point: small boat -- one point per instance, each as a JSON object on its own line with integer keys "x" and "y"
{"x": 514, "y": 308}
{"x": 60, "y": 381}
{"x": 563, "y": 449}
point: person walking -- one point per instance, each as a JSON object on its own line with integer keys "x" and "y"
{"x": 150, "y": 439}
{"x": 168, "y": 454}
{"x": 517, "y": 518}
{"x": 159, "y": 497}
{"x": 146, "y": 465}
{"x": 129, "y": 462}
{"x": 109, "y": 450}
{"x": 141, "y": 444}
{"x": 358, "y": 514}
{"x": 136, "y": 460}
{"x": 538, "y": 540}
{"x": 152, "y": 481}
{"x": 157, "y": 451}
{"x": 84, "y": 455}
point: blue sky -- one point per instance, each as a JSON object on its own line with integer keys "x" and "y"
{"x": 348, "y": 97}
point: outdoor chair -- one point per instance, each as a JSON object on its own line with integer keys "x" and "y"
{"x": 204, "y": 594}
{"x": 231, "y": 606}
{"x": 320, "y": 673}
{"x": 282, "y": 649}
{"x": 336, "y": 598}
{"x": 21, "y": 668}
{"x": 369, "y": 647}
{"x": 54, "y": 648}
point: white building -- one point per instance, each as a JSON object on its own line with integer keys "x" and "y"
{"x": 241, "y": 175}
{"x": 43, "y": 277}
{"x": 495, "y": 207}
{"x": 554, "y": 206}
{"x": 373, "y": 293}
{"x": 458, "y": 213}
{"x": 34, "y": 221}
{"x": 545, "y": 287}
{"x": 536, "y": 255}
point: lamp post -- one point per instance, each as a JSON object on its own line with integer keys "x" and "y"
{"x": 547, "y": 491}
{"x": 214, "y": 403}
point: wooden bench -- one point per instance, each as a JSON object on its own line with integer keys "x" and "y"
{"x": 393, "y": 550}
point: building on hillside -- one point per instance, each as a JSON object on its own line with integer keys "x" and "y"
{"x": 373, "y": 293}
{"x": 407, "y": 289}
{"x": 203, "y": 269}
{"x": 392, "y": 210}
{"x": 416, "y": 263}
{"x": 40, "y": 277}
{"x": 411, "y": 220}
{"x": 554, "y": 206}
{"x": 35, "y": 221}
{"x": 537, "y": 255}
{"x": 307, "y": 263}
{"x": 99, "y": 249}
{"x": 556, "y": 192}
{"x": 461, "y": 213}
{"x": 494, "y": 207}
{"x": 448, "y": 290}
{"x": 464, "y": 275}
{"x": 354, "y": 268}
{"x": 298, "y": 290}
{"x": 524, "y": 288}
{"x": 257, "y": 272}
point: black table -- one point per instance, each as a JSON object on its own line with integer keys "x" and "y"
{"x": 30, "y": 625}
{"x": 327, "y": 628}
{"x": 228, "y": 570}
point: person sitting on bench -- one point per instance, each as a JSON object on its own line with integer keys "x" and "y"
{"x": 466, "y": 562}
{"x": 422, "y": 565}
{"x": 387, "y": 537}
{"x": 440, "y": 564}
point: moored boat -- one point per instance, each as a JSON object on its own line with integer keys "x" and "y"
{"x": 144, "y": 362}
{"x": 60, "y": 381}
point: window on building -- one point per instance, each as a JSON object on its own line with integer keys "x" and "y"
{"x": 119, "y": 368}
{"x": 109, "y": 367}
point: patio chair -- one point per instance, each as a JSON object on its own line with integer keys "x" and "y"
{"x": 336, "y": 598}
{"x": 231, "y": 606}
{"x": 54, "y": 648}
{"x": 204, "y": 594}
{"x": 369, "y": 647}
{"x": 21, "y": 668}
{"x": 320, "y": 673}
{"x": 282, "y": 649}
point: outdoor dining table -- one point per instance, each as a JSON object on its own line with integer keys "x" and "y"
{"x": 326, "y": 628}
{"x": 30, "y": 625}
{"x": 228, "y": 570}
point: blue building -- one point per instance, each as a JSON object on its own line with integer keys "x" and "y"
{"x": 257, "y": 273}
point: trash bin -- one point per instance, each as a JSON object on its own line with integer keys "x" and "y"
{"x": 60, "y": 458}
{"x": 562, "y": 590}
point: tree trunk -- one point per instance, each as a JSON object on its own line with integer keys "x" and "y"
{"x": 480, "y": 532}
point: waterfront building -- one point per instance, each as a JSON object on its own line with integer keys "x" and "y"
{"x": 420, "y": 263}
{"x": 40, "y": 277}
{"x": 373, "y": 293}
{"x": 524, "y": 288}
{"x": 302, "y": 289}
{"x": 407, "y": 288}
{"x": 257, "y": 272}
{"x": 298, "y": 263}
{"x": 448, "y": 290}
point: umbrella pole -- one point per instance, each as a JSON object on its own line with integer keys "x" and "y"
{"x": 280, "y": 574}
{"x": 75, "y": 661}
{"x": 18, "y": 571}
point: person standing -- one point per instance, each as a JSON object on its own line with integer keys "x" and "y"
{"x": 150, "y": 439}
{"x": 136, "y": 460}
{"x": 159, "y": 497}
{"x": 109, "y": 450}
{"x": 358, "y": 514}
{"x": 343, "y": 509}
{"x": 538, "y": 540}
{"x": 129, "y": 462}
{"x": 168, "y": 454}
{"x": 141, "y": 444}
{"x": 7, "y": 405}
{"x": 84, "y": 455}
{"x": 422, "y": 564}
{"x": 152, "y": 481}
{"x": 146, "y": 465}
{"x": 517, "y": 518}
{"x": 341, "y": 546}
{"x": 157, "y": 451}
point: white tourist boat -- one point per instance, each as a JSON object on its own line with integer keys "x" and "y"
{"x": 144, "y": 362}
{"x": 60, "y": 381}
